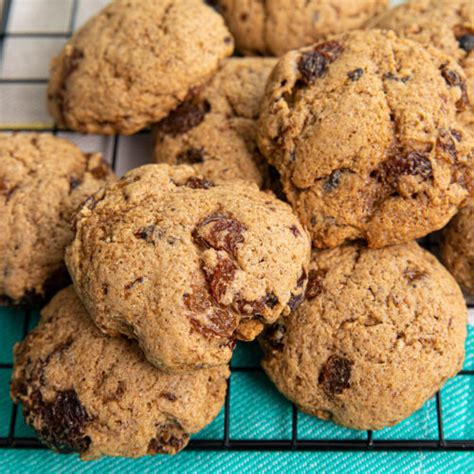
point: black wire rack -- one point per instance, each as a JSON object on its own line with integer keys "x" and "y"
{"x": 368, "y": 443}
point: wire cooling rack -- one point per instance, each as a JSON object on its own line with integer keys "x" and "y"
{"x": 20, "y": 27}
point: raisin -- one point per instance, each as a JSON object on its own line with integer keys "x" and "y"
{"x": 145, "y": 233}
{"x": 456, "y": 134}
{"x": 168, "y": 396}
{"x": 301, "y": 279}
{"x": 413, "y": 274}
{"x": 130, "y": 285}
{"x": 453, "y": 79}
{"x": 221, "y": 323}
{"x": 199, "y": 183}
{"x": 169, "y": 440}
{"x": 220, "y": 278}
{"x": 389, "y": 76}
{"x": 356, "y": 74}
{"x": 445, "y": 143}
{"x": 219, "y": 231}
{"x": 63, "y": 421}
{"x": 332, "y": 182}
{"x": 101, "y": 171}
{"x": 315, "y": 283}
{"x": 271, "y": 300}
{"x": 73, "y": 183}
{"x": 184, "y": 118}
{"x": 71, "y": 63}
{"x": 190, "y": 156}
{"x": 198, "y": 300}
{"x": 466, "y": 42}
{"x": 313, "y": 64}
{"x": 295, "y": 231}
{"x": 295, "y": 301}
{"x": 335, "y": 375}
{"x": 3, "y": 186}
{"x": 274, "y": 335}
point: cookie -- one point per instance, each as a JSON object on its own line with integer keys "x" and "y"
{"x": 43, "y": 180}
{"x": 379, "y": 332}
{"x": 364, "y": 129}
{"x": 216, "y": 132}
{"x": 274, "y": 27}
{"x": 85, "y": 392}
{"x": 133, "y": 63}
{"x": 447, "y": 25}
{"x": 185, "y": 266}
{"x": 457, "y": 247}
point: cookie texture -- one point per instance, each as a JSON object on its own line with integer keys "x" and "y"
{"x": 379, "y": 333}
{"x": 86, "y": 392}
{"x": 457, "y": 247}
{"x": 43, "y": 180}
{"x": 364, "y": 129}
{"x": 274, "y": 27}
{"x": 185, "y": 266}
{"x": 134, "y": 62}
{"x": 446, "y": 25}
{"x": 216, "y": 131}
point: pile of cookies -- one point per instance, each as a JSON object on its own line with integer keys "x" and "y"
{"x": 285, "y": 203}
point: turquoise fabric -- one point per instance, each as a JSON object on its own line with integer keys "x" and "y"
{"x": 258, "y": 411}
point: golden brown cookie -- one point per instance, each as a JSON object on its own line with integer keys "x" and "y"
{"x": 273, "y": 27}
{"x": 447, "y": 25}
{"x": 134, "y": 62}
{"x": 86, "y": 392}
{"x": 43, "y": 180}
{"x": 216, "y": 132}
{"x": 457, "y": 247}
{"x": 379, "y": 333}
{"x": 364, "y": 129}
{"x": 185, "y": 266}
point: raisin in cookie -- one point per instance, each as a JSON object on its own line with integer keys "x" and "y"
{"x": 447, "y": 25}
{"x": 183, "y": 266}
{"x": 273, "y": 27}
{"x": 364, "y": 130}
{"x": 134, "y": 62}
{"x": 84, "y": 391}
{"x": 43, "y": 180}
{"x": 216, "y": 132}
{"x": 457, "y": 247}
{"x": 379, "y": 332}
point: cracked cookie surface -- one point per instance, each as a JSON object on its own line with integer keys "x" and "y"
{"x": 216, "y": 132}
{"x": 457, "y": 247}
{"x": 273, "y": 27}
{"x": 43, "y": 180}
{"x": 134, "y": 62}
{"x": 379, "y": 332}
{"x": 184, "y": 266}
{"x": 86, "y": 392}
{"x": 364, "y": 129}
{"x": 446, "y": 25}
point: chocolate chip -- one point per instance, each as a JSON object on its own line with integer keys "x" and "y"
{"x": 466, "y": 42}
{"x": 313, "y": 64}
{"x": 356, "y": 74}
{"x": 63, "y": 421}
{"x": 199, "y": 183}
{"x": 315, "y": 283}
{"x": 335, "y": 375}
{"x": 190, "y": 156}
{"x": 184, "y": 118}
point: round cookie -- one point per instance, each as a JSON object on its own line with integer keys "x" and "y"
{"x": 379, "y": 333}
{"x": 274, "y": 27}
{"x": 83, "y": 391}
{"x": 43, "y": 180}
{"x": 457, "y": 247}
{"x": 185, "y": 267}
{"x": 364, "y": 129}
{"x": 447, "y": 25}
{"x": 133, "y": 63}
{"x": 216, "y": 132}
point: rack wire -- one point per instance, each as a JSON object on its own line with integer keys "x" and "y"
{"x": 294, "y": 443}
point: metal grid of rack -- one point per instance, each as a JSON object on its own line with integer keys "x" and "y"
{"x": 370, "y": 443}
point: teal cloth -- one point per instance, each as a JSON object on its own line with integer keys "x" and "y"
{"x": 258, "y": 411}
